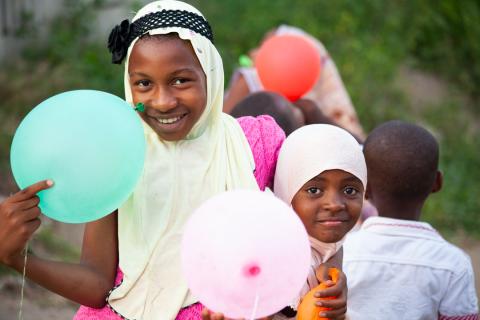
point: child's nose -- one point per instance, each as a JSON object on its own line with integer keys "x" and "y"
{"x": 163, "y": 100}
{"x": 334, "y": 203}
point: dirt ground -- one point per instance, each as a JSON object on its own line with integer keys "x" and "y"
{"x": 38, "y": 303}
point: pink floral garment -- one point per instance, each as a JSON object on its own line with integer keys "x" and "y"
{"x": 265, "y": 138}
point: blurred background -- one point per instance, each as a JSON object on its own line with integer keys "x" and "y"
{"x": 415, "y": 60}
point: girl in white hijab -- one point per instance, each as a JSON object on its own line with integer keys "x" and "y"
{"x": 321, "y": 173}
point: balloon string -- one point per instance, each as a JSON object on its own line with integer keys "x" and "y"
{"x": 20, "y": 309}
{"x": 255, "y": 307}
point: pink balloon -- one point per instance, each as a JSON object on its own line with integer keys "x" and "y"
{"x": 244, "y": 251}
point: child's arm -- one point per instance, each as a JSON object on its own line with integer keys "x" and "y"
{"x": 338, "y": 290}
{"x": 87, "y": 282}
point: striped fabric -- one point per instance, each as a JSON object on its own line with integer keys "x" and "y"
{"x": 465, "y": 317}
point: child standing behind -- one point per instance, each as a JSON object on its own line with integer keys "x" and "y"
{"x": 398, "y": 267}
{"x": 321, "y": 172}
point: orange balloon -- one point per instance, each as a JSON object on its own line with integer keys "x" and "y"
{"x": 288, "y": 65}
{"x": 307, "y": 310}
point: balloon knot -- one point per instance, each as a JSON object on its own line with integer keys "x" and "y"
{"x": 252, "y": 270}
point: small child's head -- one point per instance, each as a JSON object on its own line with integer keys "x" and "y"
{"x": 402, "y": 161}
{"x": 321, "y": 172}
{"x": 288, "y": 117}
{"x": 172, "y": 67}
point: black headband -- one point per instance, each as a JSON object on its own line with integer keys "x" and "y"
{"x": 122, "y": 35}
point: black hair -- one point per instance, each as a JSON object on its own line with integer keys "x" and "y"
{"x": 402, "y": 161}
{"x": 271, "y": 104}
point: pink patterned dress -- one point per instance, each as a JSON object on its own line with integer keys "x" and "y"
{"x": 265, "y": 138}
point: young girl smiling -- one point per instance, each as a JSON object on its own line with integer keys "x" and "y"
{"x": 321, "y": 173}
{"x": 194, "y": 151}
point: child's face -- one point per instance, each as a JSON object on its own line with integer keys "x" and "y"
{"x": 166, "y": 76}
{"x": 329, "y": 204}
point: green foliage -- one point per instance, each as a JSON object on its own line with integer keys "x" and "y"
{"x": 67, "y": 59}
{"x": 456, "y": 206}
{"x": 368, "y": 40}
{"x": 446, "y": 41}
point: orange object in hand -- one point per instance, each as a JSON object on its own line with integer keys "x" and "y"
{"x": 308, "y": 310}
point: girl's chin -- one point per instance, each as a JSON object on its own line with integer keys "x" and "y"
{"x": 329, "y": 237}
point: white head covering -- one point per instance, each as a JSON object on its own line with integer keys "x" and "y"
{"x": 306, "y": 153}
{"x": 178, "y": 177}
{"x": 312, "y": 149}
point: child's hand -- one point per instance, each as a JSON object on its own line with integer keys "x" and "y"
{"x": 209, "y": 315}
{"x": 19, "y": 219}
{"x": 338, "y": 290}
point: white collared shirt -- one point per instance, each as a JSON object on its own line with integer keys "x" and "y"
{"x": 400, "y": 269}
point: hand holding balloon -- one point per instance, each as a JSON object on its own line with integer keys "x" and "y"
{"x": 19, "y": 219}
{"x": 325, "y": 301}
{"x": 90, "y": 143}
{"x": 208, "y": 315}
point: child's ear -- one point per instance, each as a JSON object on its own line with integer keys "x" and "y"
{"x": 438, "y": 183}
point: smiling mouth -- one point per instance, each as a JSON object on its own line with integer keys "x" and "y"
{"x": 331, "y": 222}
{"x": 170, "y": 120}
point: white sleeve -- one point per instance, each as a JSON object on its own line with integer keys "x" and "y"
{"x": 460, "y": 299}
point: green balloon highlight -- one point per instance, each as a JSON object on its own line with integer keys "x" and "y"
{"x": 90, "y": 143}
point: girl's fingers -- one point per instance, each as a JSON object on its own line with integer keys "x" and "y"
{"x": 208, "y": 315}
{"x": 30, "y": 214}
{"x": 33, "y": 225}
{"x": 29, "y": 203}
{"x": 334, "y": 291}
{"x": 205, "y": 314}
{"x": 334, "y": 314}
{"x": 32, "y": 190}
{"x": 334, "y": 304}
{"x": 217, "y": 316}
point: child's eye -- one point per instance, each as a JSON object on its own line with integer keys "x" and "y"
{"x": 350, "y": 191}
{"x": 143, "y": 83}
{"x": 314, "y": 190}
{"x": 179, "y": 81}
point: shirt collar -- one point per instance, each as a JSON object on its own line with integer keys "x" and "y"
{"x": 400, "y": 227}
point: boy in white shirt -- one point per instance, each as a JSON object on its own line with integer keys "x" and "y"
{"x": 396, "y": 266}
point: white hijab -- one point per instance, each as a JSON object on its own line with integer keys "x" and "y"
{"x": 306, "y": 153}
{"x": 178, "y": 177}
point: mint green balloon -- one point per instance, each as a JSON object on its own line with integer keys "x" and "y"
{"x": 90, "y": 143}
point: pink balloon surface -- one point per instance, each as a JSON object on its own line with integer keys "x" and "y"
{"x": 241, "y": 245}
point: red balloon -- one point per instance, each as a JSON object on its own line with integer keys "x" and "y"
{"x": 289, "y": 65}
